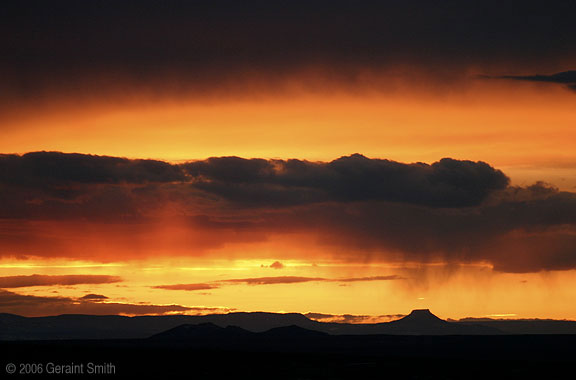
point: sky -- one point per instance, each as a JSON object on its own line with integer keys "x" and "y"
{"x": 347, "y": 160}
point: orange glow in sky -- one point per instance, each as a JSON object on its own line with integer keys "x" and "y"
{"x": 453, "y": 292}
{"x": 526, "y": 130}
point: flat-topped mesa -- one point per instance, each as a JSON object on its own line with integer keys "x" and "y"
{"x": 422, "y": 316}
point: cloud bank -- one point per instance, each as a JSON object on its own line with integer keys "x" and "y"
{"x": 446, "y": 183}
{"x": 178, "y": 47}
{"x": 355, "y": 207}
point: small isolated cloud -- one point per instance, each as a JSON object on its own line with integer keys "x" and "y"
{"x": 276, "y": 265}
{"x": 44, "y": 280}
{"x": 94, "y": 297}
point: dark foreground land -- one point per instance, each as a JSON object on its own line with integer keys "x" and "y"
{"x": 298, "y": 357}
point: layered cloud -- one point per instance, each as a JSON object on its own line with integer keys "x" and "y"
{"x": 54, "y": 184}
{"x": 350, "y": 318}
{"x": 190, "y": 287}
{"x": 40, "y": 169}
{"x": 567, "y": 78}
{"x": 273, "y": 280}
{"x": 355, "y": 207}
{"x": 46, "y": 280}
{"x": 31, "y": 306}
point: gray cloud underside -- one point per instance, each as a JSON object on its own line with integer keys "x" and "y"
{"x": 453, "y": 210}
{"x": 53, "y": 177}
{"x": 446, "y": 183}
{"x": 522, "y": 231}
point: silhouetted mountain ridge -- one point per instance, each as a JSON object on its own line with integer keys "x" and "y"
{"x": 202, "y": 330}
{"x": 292, "y": 331}
{"x": 210, "y": 330}
{"x": 419, "y": 322}
{"x": 423, "y": 322}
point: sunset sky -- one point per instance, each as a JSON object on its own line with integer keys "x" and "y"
{"x": 352, "y": 160}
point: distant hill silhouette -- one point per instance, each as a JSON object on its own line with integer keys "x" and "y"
{"x": 292, "y": 331}
{"x": 201, "y": 331}
{"x": 211, "y": 331}
{"x": 525, "y": 326}
{"x": 419, "y": 322}
{"x": 77, "y": 326}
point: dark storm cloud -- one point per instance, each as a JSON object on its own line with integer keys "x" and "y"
{"x": 452, "y": 210}
{"x": 567, "y": 78}
{"x": 46, "y": 280}
{"x": 70, "y": 185}
{"x": 67, "y": 186}
{"x": 76, "y": 47}
{"x": 31, "y": 306}
{"x": 56, "y": 168}
{"x": 446, "y": 183}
